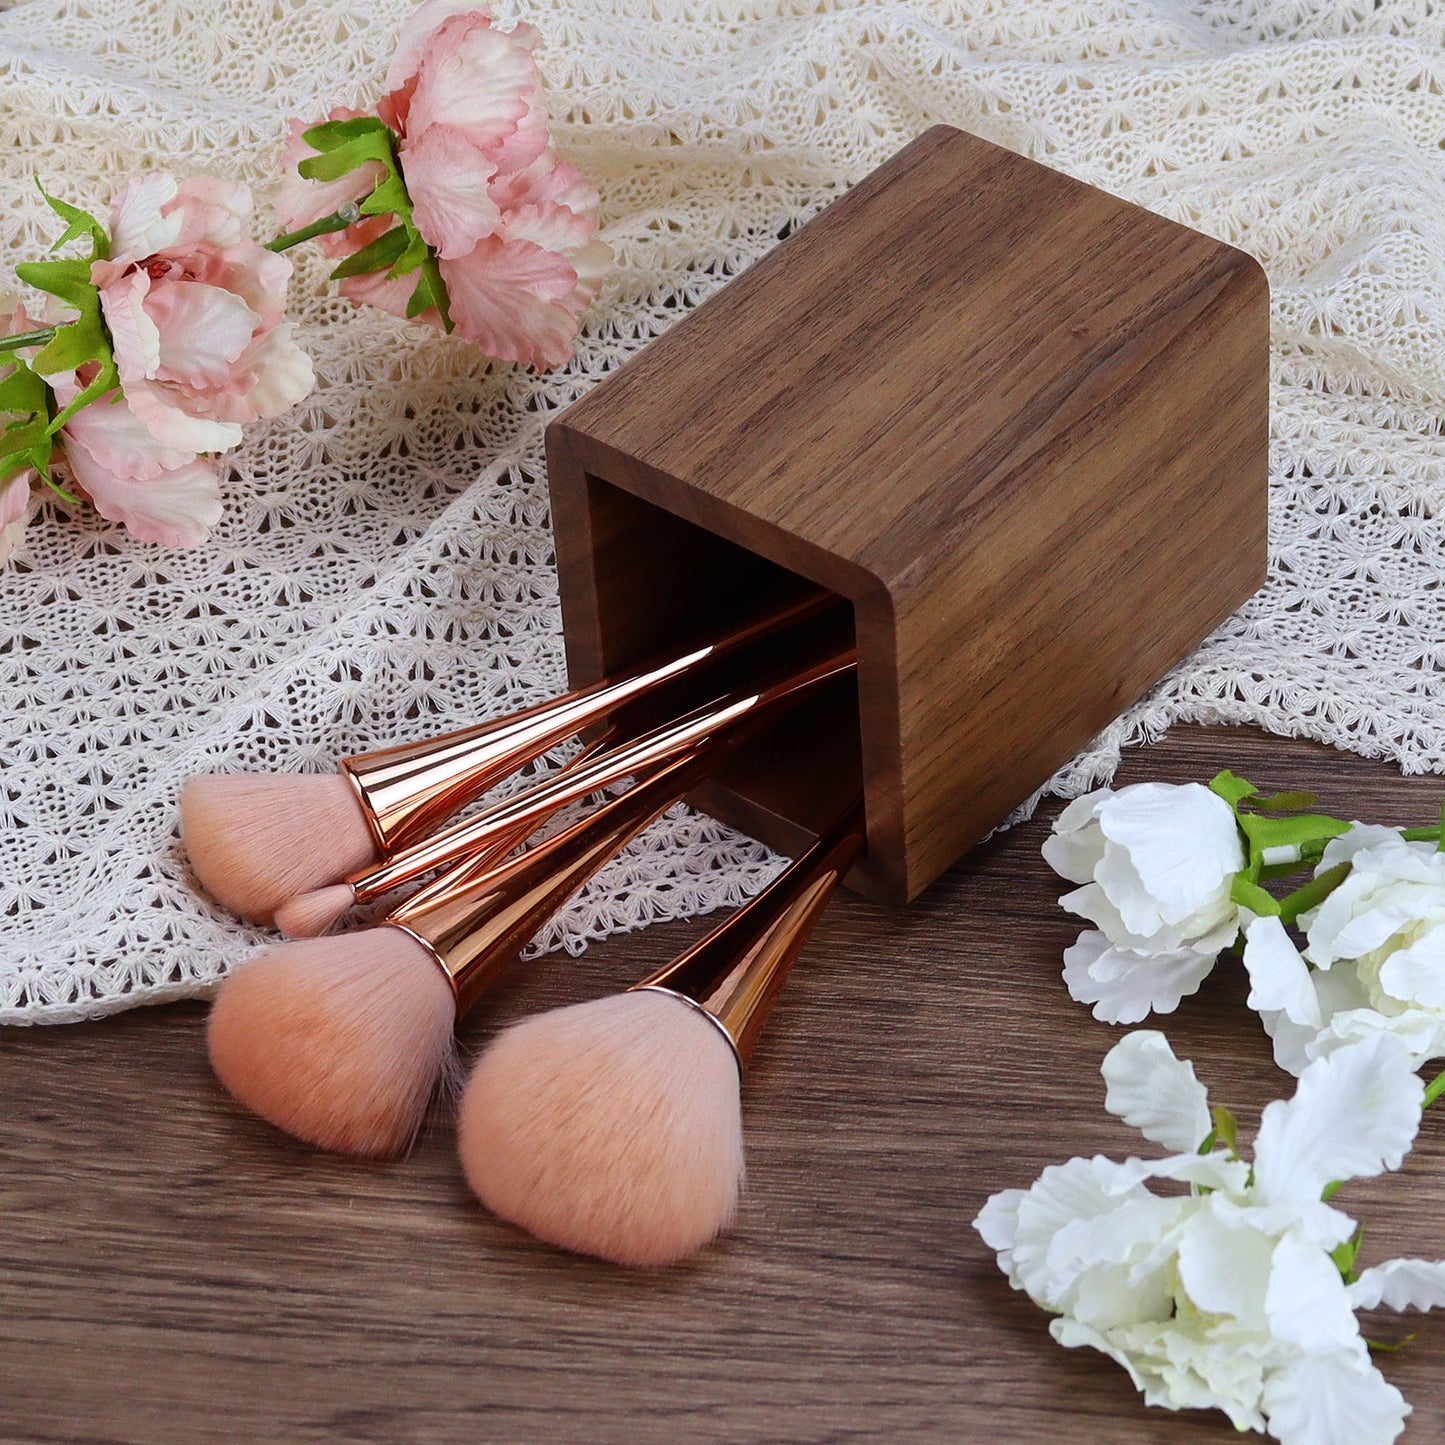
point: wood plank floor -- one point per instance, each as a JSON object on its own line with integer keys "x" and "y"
{"x": 175, "y": 1270}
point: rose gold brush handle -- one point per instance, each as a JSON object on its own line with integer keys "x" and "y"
{"x": 474, "y": 919}
{"x": 406, "y": 791}
{"x": 519, "y": 816}
{"x": 734, "y": 973}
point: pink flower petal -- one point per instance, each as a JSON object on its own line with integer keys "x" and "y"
{"x": 14, "y": 511}
{"x": 134, "y": 337}
{"x": 416, "y": 34}
{"x": 374, "y": 289}
{"x": 202, "y": 330}
{"x": 178, "y": 509}
{"x": 140, "y": 225}
{"x": 514, "y": 300}
{"x": 225, "y": 209}
{"x": 447, "y": 178}
{"x": 279, "y": 374}
{"x": 113, "y": 438}
{"x": 476, "y": 80}
{"x": 171, "y": 425}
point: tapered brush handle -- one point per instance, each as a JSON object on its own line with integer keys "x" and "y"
{"x": 407, "y": 791}
{"x": 735, "y": 972}
{"x": 476, "y": 917}
{"x": 517, "y": 817}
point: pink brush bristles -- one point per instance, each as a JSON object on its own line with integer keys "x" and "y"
{"x": 612, "y": 1128}
{"x": 309, "y": 915}
{"x": 339, "y": 1041}
{"x": 258, "y": 839}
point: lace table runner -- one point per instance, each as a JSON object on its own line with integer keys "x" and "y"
{"x": 384, "y": 565}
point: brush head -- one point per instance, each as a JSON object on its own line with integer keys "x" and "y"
{"x": 612, "y": 1128}
{"x": 257, "y": 839}
{"x": 339, "y": 1041}
{"x": 309, "y": 915}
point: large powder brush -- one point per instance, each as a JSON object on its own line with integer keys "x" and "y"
{"x": 257, "y": 840}
{"x": 613, "y": 1128}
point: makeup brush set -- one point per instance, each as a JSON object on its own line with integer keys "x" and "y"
{"x": 854, "y": 557}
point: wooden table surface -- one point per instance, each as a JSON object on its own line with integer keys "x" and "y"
{"x": 175, "y": 1270}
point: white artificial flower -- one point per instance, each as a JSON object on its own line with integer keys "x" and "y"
{"x": 1377, "y": 944}
{"x": 1156, "y": 862}
{"x": 1228, "y": 1297}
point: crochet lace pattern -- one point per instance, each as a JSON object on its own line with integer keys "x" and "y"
{"x": 384, "y": 567}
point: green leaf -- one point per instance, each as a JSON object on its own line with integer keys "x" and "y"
{"x": 1313, "y": 893}
{"x": 431, "y": 291}
{"x": 69, "y": 280}
{"x": 1250, "y": 895}
{"x": 1284, "y": 802}
{"x": 327, "y": 135}
{"x": 1291, "y": 832}
{"x": 376, "y": 257}
{"x": 26, "y": 440}
{"x": 1344, "y": 1255}
{"x": 1231, "y": 788}
{"x": 78, "y": 223}
{"x": 1226, "y": 1129}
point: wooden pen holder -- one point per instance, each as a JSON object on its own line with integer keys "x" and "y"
{"x": 1020, "y": 424}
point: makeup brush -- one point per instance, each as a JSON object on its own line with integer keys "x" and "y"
{"x": 257, "y": 839}
{"x": 614, "y": 1128}
{"x": 496, "y": 830}
{"x": 340, "y": 1041}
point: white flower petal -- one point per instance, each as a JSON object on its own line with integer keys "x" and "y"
{"x": 1417, "y": 973}
{"x": 998, "y": 1223}
{"x": 1293, "y": 1043}
{"x": 1278, "y": 977}
{"x": 1400, "y": 1284}
{"x": 1224, "y": 1267}
{"x": 1306, "y": 1299}
{"x": 1182, "y": 842}
{"x": 1072, "y": 1335}
{"x": 1155, "y": 1092}
{"x": 1336, "y": 1399}
{"x": 1354, "y": 1114}
{"x": 1125, "y": 987}
{"x": 1360, "y": 837}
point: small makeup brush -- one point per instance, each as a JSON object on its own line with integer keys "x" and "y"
{"x": 340, "y": 1041}
{"x": 257, "y": 839}
{"x": 614, "y": 1127}
{"x": 496, "y": 830}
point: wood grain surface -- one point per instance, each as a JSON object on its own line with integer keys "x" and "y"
{"x": 1021, "y": 424}
{"x": 175, "y": 1270}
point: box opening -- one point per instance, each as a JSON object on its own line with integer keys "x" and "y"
{"x": 663, "y": 582}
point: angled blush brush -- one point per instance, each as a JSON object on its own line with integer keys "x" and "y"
{"x": 613, "y": 1127}
{"x": 496, "y": 830}
{"x": 257, "y": 839}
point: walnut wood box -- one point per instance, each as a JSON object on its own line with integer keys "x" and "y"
{"x": 1021, "y": 425}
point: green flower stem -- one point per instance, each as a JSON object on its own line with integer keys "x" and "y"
{"x": 1434, "y": 1089}
{"x": 338, "y": 220}
{"x": 22, "y": 339}
{"x": 1313, "y": 893}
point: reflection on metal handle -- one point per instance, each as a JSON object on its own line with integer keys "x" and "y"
{"x": 735, "y": 972}
{"x": 409, "y": 790}
{"x": 515, "y": 818}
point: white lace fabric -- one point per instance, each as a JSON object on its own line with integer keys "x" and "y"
{"x": 384, "y": 568}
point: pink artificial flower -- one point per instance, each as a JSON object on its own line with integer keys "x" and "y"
{"x": 513, "y": 227}
{"x": 161, "y": 493}
{"x": 196, "y": 313}
{"x": 14, "y": 510}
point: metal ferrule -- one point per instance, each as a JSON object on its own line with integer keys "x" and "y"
{"x": 734, "y": 973}
{"x": 498, "y": 829}
{"x": 408, "y": 791}
{"x": 475, "y": 919}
